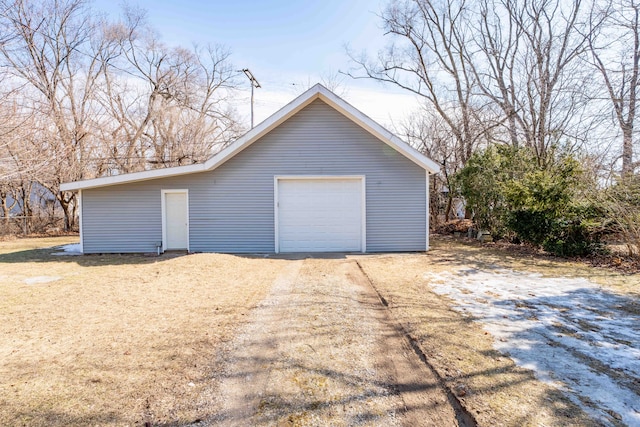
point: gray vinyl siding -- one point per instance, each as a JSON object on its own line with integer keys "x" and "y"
{"x": 231, "y": 208}
{"x": 123, "y": 218}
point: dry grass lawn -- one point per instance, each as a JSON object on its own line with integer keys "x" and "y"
{"x": 12, "y": 244}
{"x": 496, "y": 391}
{"x": 118, "y": 340}
{"x": 129, "y": 340}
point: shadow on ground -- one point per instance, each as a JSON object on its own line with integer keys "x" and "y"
{"x": 53, "y": 255}
{"x": 573, "y": 333}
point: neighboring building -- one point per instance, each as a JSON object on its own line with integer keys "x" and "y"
{"x": 317, "y": 176}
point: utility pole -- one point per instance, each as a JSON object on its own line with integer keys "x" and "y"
{"x": 254, "y": 83}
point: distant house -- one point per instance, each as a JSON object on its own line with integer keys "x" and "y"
{"x": 317, "y": 176}
{"x": 40, "y": 198}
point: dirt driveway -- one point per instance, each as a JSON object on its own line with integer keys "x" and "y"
{"x": 321, "y": 350}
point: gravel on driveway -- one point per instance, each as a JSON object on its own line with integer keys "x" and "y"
{"x": 320, "y": 350}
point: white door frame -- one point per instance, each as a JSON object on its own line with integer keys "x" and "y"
{"x": 164, "y": 216}
{"x": 363, "y": 203}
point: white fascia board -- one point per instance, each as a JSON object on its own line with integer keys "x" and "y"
{"x": 377, "y": 130}
{"x": 131, "y": 177}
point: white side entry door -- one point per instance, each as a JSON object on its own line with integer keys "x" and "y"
{"x": 175, "y": 219}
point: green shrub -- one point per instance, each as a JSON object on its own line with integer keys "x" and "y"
{"x": 510, "y": 193}
{"x": 571, "y": 238}
{"x": 482, "y": 184}
{"x": 532, "y": 227}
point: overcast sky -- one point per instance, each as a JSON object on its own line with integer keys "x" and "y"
{"x": 285, "y": 43}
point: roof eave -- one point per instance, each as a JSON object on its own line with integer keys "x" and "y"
{"x": 131, "y": 177}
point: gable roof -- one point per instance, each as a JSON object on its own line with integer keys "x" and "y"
{"x": 316, "y": 92}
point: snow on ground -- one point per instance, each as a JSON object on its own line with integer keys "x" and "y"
{"x": 71, "y": 249}
{"x": 570, "y": 331}
{"x": 40, "y": 279}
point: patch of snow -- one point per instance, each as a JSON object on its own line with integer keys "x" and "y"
{"x": 569, "y": 331}
{"x": 40, "y": 279}
{"x": 70, "y": 249}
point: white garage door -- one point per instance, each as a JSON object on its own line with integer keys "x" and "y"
{"x": 320, "y": 214}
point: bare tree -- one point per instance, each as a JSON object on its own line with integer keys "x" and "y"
{"x": 104, "y": 97}
{"x": 468, "y": 60}
{"x": 168, "y": 105}
{"x": 615, "y": 51}
{"x": 47, "y": 55}
{"x": 20, "y": 160}
{"x": 197, "y": 122}
{"x": 494, "y": 63}
{"x": 526, "y": 61}
{"x": 428, "y": 60}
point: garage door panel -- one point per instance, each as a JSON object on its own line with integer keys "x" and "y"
{"x": 320, "y": 215}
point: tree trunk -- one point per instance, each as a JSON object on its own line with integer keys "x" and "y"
{"x": 25, "y": 195}
{"x": 69, "y": 214}
{"x": 447, "y": 212}
{"x": 627, "y": 152}
{"x": 6, "y": 209}
{"x": 433, "y": 203}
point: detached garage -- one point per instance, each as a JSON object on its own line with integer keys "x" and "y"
{"x": 317, "y": 176}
